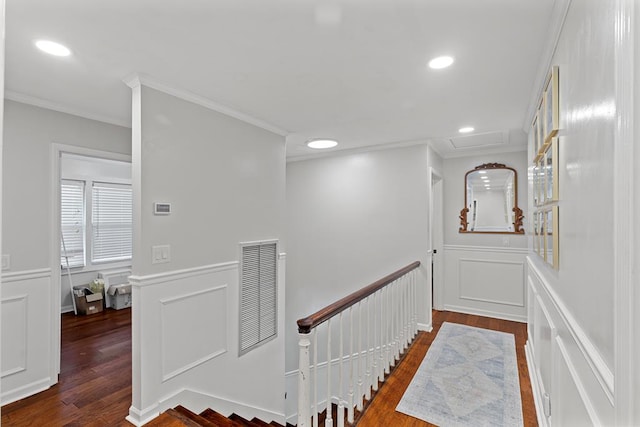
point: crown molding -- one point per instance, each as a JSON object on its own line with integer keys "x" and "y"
{"x": 558, "y": 17}
{"x": 138, "y": 79}
{"x": 50, "y": 105}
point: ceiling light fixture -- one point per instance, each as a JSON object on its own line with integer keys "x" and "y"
{"x": 466, "y": 129}
{"x": 53, "y": 48}
{"x": 440, "y": 62}
{"x": 321, "y": 144}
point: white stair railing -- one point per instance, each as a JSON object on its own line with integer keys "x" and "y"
{"x": 382, "y": 324}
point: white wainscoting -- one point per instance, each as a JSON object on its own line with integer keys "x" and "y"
{"x": 185, "y": 347}
{"x": 486, "y": 281}
{"x": 26, "y": 342}
{"x": 572, "y": 385}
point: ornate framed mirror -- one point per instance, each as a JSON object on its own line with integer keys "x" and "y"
{"x": 491, "y": 201}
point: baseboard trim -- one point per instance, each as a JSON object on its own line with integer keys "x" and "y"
{"x": 140, "y": 417}
{"x": 426, "y": 327}
{"x": 198, "y": 401}
{"x": 486, "y": 313}
{"x": 27, "y": 390}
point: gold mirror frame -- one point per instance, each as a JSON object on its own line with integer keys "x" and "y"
{"x": 518, "y": 217}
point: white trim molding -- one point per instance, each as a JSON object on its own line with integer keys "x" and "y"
{"x": 491, "y": 249}
{"x": 50, "y": 105}
{"x": 197, "y": 401}
{"x": 166, "y": 343}
{"x": 625, "y": 79}
{"x": 587, "y": 348}
{"x": 168, "y": 276}
{"x": 19, "y": 276}
{"x": 141, "y": 79}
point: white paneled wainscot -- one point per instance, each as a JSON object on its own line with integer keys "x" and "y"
{"x": 26, "y": 333}
{"x": 487, "y": 281}
{"x": 572, "y": 384}
{"x": 192, "y": 358}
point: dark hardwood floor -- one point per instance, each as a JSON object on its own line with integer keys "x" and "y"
{"x": 95, "y": 376}
{"x": 382, "y": 411}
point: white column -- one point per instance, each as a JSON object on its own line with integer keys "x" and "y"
{"x": 303, "y": 380}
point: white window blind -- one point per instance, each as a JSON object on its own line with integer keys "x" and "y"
{"x": 72, "y": 222}
{"x": 111, "y": 222}
{"x": 258, "y": 294}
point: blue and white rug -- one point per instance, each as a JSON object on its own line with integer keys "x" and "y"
{"x": 469, "y": 377}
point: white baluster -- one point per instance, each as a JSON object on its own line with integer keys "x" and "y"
{"x": 303, "y": 380}
{"x": 367, "y": 390}
{"x": 415, "y": 302}
{"x": 360, "y": 364}
{"x": 350, "y": 407}
{"x": 315, "y": 378}
{"x": 374, "y": 357}
{"x": 403, "y": 323}
{"x": 328, "y": 421}
{"x": 407, "y": 312}
{"x": 392, "y": 324}
{"x": 340, "y": 383}
{"x": 383, "y": 325}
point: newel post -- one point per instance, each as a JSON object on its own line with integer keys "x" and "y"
{"x": 304, "y": 385}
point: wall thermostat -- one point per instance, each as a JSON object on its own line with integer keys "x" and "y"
{"x": 161, "y": 208}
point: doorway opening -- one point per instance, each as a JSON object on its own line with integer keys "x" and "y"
{"x": 92, "y": 232}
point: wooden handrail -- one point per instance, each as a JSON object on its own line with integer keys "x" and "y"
{"x": 306, "y": 324}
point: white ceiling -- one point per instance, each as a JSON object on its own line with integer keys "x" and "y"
{"x": 354, "y": 70}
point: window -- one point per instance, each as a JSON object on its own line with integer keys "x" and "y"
{"x": 111, "y": 222}
{"x": 72, "y": 221}
{"x": 96, "y": 222}
{"x": 258, "y": 294}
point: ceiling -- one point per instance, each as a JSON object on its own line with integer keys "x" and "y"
{"x": 354, "y": 70}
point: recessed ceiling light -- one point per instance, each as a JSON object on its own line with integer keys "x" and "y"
{"x": 320, "y": 144}
{"x": 466, "y": 129}
{"x": 482, "y": 172}
{"x": 440, "y": 62}
{"x": 53, "y": 48}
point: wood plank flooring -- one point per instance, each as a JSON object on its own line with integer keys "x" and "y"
{"x": 95, "y": 376}
{"x": 382, "y": 411}
{"x": 95, "y": 379}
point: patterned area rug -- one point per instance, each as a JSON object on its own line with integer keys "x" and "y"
{"x": 469, "y": 377}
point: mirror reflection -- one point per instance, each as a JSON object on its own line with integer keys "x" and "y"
{"x": 491, "y": 201}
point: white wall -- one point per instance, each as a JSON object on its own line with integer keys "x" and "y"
{"x": 572, "y": 330}
{"x": 29, "y": 134}
{"x": 352, "y": 219}
{"x": 454, "y": 171}
{"x": 483, "y": 273}
{"x": 225, "y": 180}
{"x": 30, "y": 352}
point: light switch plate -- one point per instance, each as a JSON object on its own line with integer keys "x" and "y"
{"x": 160, "y": 254}
{"x": 6, "y": 262}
